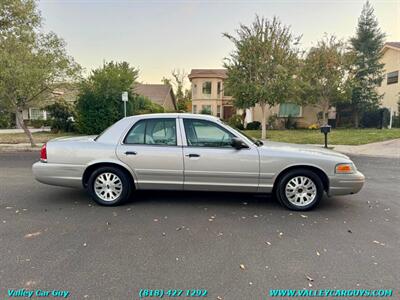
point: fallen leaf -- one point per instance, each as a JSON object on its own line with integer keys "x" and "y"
{"x": 9, "y": 207}
{"x": 210, "y": 220}
{"x": 30, "y": 235}
{"x": 250, "y": 283}
{"x": 242, "y": 267}
{"x": 164, "y": 234}
{"x": 219, "y": 298}
{"x": 309, "y": 278}
{"x": 304, "y": 216}
{"x": 178, "y": 228}
{"x": 155, "y": 220}
{"x": 255, "y": 216}
{"x": 268, "y": 243}
{"x": 318, "y": 253}
{"x": 84, "y": 244}
{"x": 280, "y": 233}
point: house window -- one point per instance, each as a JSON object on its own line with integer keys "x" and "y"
{"x": 289, "y": 109}
{"x": 36, "y": 114}
{"x": 219, "y": 88}
{"x": 227, "y": 92}
{"x": 194, "y": 110}
{"x": 219, "y": 111}
{"x": 393, "y": 77}
{"x": 194, "y": 90}
{"x": 206, "y": 110}
{"x": 207, "y": 88}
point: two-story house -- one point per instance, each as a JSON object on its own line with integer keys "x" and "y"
{"x": 209, "y": 95}
{"x": 390, "y": 87}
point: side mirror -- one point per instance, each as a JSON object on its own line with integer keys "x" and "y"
{"x": 238, "y": 143}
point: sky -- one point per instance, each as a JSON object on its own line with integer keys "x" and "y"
{"x": 159, "y": 36}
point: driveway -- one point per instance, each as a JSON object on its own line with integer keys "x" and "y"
{"x": 55, "y": 238}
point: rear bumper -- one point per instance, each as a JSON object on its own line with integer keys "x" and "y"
{"x": 345, "y": 184}
{"x": 58, "y": 174}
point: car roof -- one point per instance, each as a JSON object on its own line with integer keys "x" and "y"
{"x": 174, "y": 115}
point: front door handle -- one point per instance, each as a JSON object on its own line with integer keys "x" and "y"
{"x": 130, "y": 153}
{"x": 193, "y": 155}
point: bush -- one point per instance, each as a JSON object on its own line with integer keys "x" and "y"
{"x": 290, "y": 123}
{"x": 61, "y": 117}
{"x": 205, "y": 111}
{"x": 6, "y": 120}
{"x": 143, "y": 105}
{"x": 255, "y": 125}
{"x": 236, "y": 122}
{"x": 377, "y": 118}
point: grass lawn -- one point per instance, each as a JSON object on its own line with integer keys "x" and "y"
{"x": 39, "y": 137}
{"x": 298, "y": 136}
{"x": 336, "y": 137}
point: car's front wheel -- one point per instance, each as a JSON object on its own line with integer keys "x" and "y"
{"x": 300, "y": 189}
{"x": 109, "y": 186}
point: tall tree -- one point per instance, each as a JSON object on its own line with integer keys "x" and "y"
{"x": 183, "y": 96}
{"x": 262, "y": 68}
{"x": 367, "y": 46}
{"x": 32, "y": 62}
{"x": 325, "y": 75}
{"x": 99, "y": 102}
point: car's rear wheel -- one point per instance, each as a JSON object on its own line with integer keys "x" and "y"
{"x": 109, "y": 186}
{"x": 300, "y": 189}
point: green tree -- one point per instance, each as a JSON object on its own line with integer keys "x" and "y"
{"x": 325, "y": 75}
{"x": 32, "y": 62}
{"x": 99, "y": 102}
{"x": 368, "y": 70}
{"x": 261, "y": 70}
{"x": 183, "y": 96}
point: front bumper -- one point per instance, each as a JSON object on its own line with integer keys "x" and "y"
{"x": 58, "y": 174}
{"x": 345, "y": 184}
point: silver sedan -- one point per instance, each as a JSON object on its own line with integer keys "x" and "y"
{"x": 197, "y": 153}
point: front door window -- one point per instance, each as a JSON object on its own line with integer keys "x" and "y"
{"x": 202, "y": 133}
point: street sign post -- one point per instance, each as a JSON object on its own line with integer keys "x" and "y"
{"x": 125, "y": 99}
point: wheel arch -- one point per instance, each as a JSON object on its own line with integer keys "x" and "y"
{"x": 92, "y": 167}
{"x": 321, "y": 174}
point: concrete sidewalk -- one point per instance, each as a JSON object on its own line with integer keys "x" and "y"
{"x": 390, "y": 149}
{"x": 19, "y": 130}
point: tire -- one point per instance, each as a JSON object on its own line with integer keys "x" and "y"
{"x": 109, "y": 186}
{"x": 300, "y": 190}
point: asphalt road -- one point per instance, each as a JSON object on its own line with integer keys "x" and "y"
{"x": 56, "y": 238}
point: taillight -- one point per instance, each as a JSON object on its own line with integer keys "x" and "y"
{"x": 43, "y": 153}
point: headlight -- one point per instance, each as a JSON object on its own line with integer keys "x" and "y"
{"x": 345, "y": 168}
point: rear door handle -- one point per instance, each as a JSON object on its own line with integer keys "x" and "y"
{"x": 130, "y": 153}
{"x": 193, "y": 155}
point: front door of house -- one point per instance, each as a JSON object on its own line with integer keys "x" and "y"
{"x": 229, "y": 111}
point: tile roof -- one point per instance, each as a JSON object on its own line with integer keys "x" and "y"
{"x": 393, "y": 44}
{"x": 204, "y": 73}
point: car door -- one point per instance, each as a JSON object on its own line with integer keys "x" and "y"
{"x": 152, "y": 148}
{"x": 211, "y": 163}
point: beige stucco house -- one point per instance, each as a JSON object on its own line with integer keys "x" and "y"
{"x": 208, "y": 93}
{"x": 390, "y": 87}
